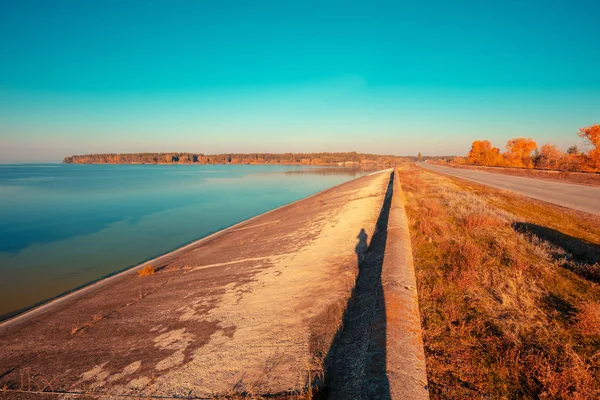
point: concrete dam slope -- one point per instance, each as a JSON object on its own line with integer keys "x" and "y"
{"x": 253, "y": 309}
{"x": 577, "y": 197}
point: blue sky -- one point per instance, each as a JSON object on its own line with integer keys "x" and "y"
{"x": 275, "y": 76}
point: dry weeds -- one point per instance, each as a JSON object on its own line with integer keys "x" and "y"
{"x": 146, "y": 271}
{"x": 80, "y": 328}
{"x": 507, "y": 312}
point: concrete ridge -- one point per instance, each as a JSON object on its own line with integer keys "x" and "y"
{"x": 103, "y": 281}
{"x": 406, "y": 369}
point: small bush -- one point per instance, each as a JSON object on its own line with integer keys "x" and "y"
{"x": 146, "y": 271}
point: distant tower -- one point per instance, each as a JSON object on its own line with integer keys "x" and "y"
{"x": 419, "y": 157}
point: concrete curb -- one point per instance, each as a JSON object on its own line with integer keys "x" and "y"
{"x": 405, "y": 357}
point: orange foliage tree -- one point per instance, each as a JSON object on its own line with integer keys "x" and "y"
{"x": 548, "y": 157}
{"x": 592, "y": 133}
{"x": 482, "y": 153}
{"x": 519, "y": 152}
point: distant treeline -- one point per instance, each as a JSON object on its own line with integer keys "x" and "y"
{"x": 524, "y": 153}
{"x": 236, "y": 158}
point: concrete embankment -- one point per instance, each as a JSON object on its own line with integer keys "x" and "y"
{"x": 319, "y": 294}
{"x": 253, "y": 309}
{"x": 378, "y": 354}
{"x": 405, "y": 364}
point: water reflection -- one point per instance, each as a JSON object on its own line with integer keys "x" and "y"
{"x": 329, "y": 171}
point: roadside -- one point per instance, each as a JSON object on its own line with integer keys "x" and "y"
{"x": 580, "y": 178}
{"x": 508, "y": 291}
{"x": 578, "y": 197}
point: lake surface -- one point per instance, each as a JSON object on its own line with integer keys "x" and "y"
{"x": 62, "y": 226}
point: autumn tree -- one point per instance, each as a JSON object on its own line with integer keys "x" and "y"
{"x": 573, "y": 149}
{"x": 548, "y": 157}
{"x": 519, "y": 152}
{"x": 592, "y": 134}
{"x": 572, "y": 162}
{"x": 482, "y": 153}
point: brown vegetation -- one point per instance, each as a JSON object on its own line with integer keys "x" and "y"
{"x": 146, "y": 271}
{"x": 351, "y": 158}
{"x": 80, "y": 328}
{"x": 508, "y": 296}
{"x": 523, "y": 153}
{"x": 592, "y": 134}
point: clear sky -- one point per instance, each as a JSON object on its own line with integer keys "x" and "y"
{"x": 394, "y": 77}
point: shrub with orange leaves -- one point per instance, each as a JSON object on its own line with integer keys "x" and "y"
{"x": 519, "y": 152}
{"x": 482, "y": 153}
{"x": 146, "y": 271}
{"x": 548, "y": 157}
{"x": 592, "y": 133}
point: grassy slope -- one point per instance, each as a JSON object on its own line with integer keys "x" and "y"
{"x": 505, "y": 313}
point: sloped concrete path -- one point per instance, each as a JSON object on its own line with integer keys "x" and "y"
{"x": 246, "y": 311}
{"x": 379, "y": 352}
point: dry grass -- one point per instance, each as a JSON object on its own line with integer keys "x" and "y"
{"x": 80, "y": 328}
{"x": 588, "y": 319}
{"x": 507, "y": 309}
{"x": 146, "y": 271}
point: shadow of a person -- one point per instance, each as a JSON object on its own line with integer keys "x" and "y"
{"x": 355, "y": 366}
{"x": 361, "y": 246}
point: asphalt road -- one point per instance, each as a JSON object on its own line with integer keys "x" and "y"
{"x": 578, "y": 197}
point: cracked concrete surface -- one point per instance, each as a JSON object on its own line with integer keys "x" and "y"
{"x": 247, "y": 310}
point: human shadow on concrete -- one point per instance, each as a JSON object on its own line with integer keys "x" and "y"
{"x": 355, "y": 366}
{"x": 582, "y": 257}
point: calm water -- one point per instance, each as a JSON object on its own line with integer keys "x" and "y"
{"x": 62, "y": 226}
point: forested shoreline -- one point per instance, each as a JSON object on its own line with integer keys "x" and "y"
{"x": 237, "y": 158}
